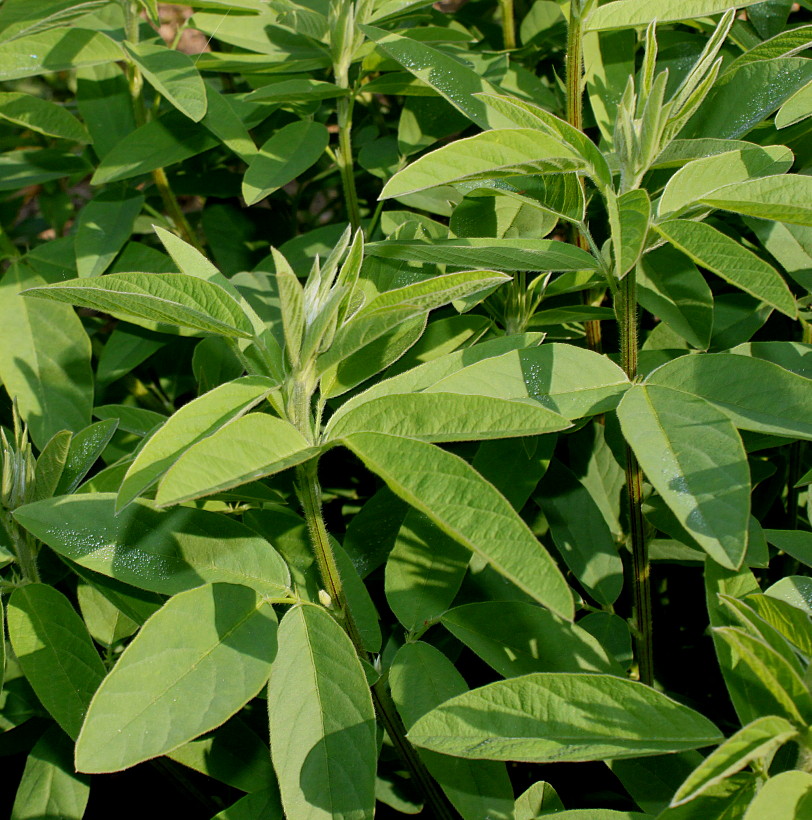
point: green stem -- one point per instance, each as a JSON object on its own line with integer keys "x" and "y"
{"x": 173, "y": 209}
{"x": 24, "y": 550}
{"x": 344, "y": 160}
{"x": 508, "y": 24}
{"x": 641, "y": 581}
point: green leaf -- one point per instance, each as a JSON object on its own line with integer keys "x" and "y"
{"x": 467, "y": 508}
{"x": 86, "y": 447}
{"x": 670, "y": 286}
{"x": 758, "y": 740}
{"x": 517, "y": 638}
{"x": 223, "y": 121}
{"x": 106, "y": 623}
{"x": 286, "y": 155}
{"x": 50, "y": 464}
{"x": 172, "y": 74}
{"x": 581, "y": 534}
{"x": 59, "y": 49}
{"x": 42, "y": 116}
{"x": 639, "y": 13}
{"x": 500, "y": 254}
{"x": 164, "y": 552}
{"x": 104, "y": 101}
{"x": 559, "y": 716}
{"x": 692, "y": 454}
{"x": 49, "y": 786}
{"x": 264, "y": 803}
{"x": 782, "y": 197}
{"x": 787, "y": 796}
{"x": 538, "y": 798}
{"x": 21, "y": 168}
{"x": 323, "y": 733}
{"x": 745, "y": 389}
{"x": 717, "y": 252}
{"x": 629, "y": 216}
{"x": 47, "y": 369}
{"x": 193, "y": 422}
{"x": 135, "y": 420}
{"x": 798, "y": 107}
{"x": 103, "y": 228}
{"x": 791, "y": 622}
{"x": 422, "y": 678}
{"x": 296, "y": 90}
{"x": 55, "y": 652}
{"x": 245, "y": 449}
{"x": 174, "y": 298}
{"x": 447, "y": 417}
{"x": 424, "y": 571}
{"x": 194, "y": 663}
{"x": 488, "y": 155}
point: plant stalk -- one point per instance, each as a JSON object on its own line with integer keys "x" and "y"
{"x": 508, "y": 24}
{"x": 641, "y": 581}
{"x": 344, "y": 160}
{"x": 575, "y": 117}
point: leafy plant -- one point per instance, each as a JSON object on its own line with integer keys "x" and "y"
{"x": 394, "y": 493}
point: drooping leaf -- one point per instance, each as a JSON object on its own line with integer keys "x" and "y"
{"x": 164, "y": 552}
{"x": 55, "y": 652}
{"x": 322, "y": 722}
{"x": 467, "y": 508}
{"x": 561, "y": 717}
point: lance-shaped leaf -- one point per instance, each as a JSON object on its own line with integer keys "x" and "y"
{"x": 717, "y": 252}
{"x": 164, "y": 552}
{"x": 422, "y": 678}
{"x": 639, "y": 13}
{"x": 85, "y": 449}
{"x": 193, "y": 422}
{"x": 42, "y": 116}
{"x": 692, "y": 454}
{"x": 499, "y": 254}
{"x": 174, "y": 298}
{"x": 784, "y": 198}
{"x": 467, "y": 508}
{"x": 50, "y": 464}
{"x": 629, "y": 216}
{"x": 566, "y": 379}
{"x": 756, "y": 394}
{"x": 247, "y": 448}
{"x": 173, "y": 74}
{"x": 758, "y": 740}
{"x": 489, "y": 155}
{"x": 322, "y": 723}
{"x": 393, "y": 307}
{"x": 55, "y": 652}
{"x": 288, "y": 153}
{"x": 195, "y": 662}
{"x": 559, "y": 717}
{"x": 448, "y": 417}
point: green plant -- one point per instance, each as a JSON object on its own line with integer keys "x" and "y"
{"x": 381, "y": 490}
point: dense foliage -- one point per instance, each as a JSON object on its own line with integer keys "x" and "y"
{"x": 424, "y": 389}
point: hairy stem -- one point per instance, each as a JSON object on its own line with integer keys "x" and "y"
{"x": 508, "y": 24}
{"x": 345, "y": 163}
{"x": 641, "y": 581}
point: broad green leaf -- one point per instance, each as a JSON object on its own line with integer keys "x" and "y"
{"x": 126, "y": 347}
{"x": 223, "y": 121}
{"x": 104, "y": 101}
{"x": 702, "y": 177}
{"x": 567, "y": 380}
{"x": 21, "y": 168}
{"x": 782, "y": 197}
{"x": 609, "y": 59}
{"x": 424, "y": 571}
{"x": 717, "y": 252}
{"x": 174, "y": 298}
{"x": 49, "y": 786}
{"x": 447, "y": 417}
{"x": 790, "y": 621}
{"x": 798, "y": 107}
{"x": 449, "y": 77}
{"x": 758, "y": 740}
{"x": 501, "y": 217}
{"x": 517, "y": 638}
{"x": 245, "y": 449}
{"x": 363, "y": 609}
{"x": 581, "y": 534}
{"x": 797, "y": 543}
{"x": 47, "y": 368}
{"x": 422, "y": 678}
{"x": 500, "y": 254}
{"x": 745, "y": 389}
{"x": 468, "y": 509}
{"x": 194, "y": 663}
{"x": 393, "y": 307}
{"x": 488, "y": 155}
{"x": 194, "y": 421}
{"x": 162, "y": 142}
{"x": 559, "y": 716}
{"x": 538, "y": 798}
{"x": 670, "y": 286}
{"x": 629, "y": 216}
{"x": 106, "y": 623}
{"x": 639, "y": 13}
{"x": 727, "y": 799}
{"x": 50, "y": 464}
{"x": 173, "y": 74}
{"x": 42, "y": 116}
{"x": 103, "y": 228}
{"x": 55, "y": 652}
{"x": 323, "y": 733}
{"x": 286, "y": 155}
{"x": 59, "y": 49}
{"x": 137, "y": 420}
{"x": 694, "y": 458}
{"x": 85, "y": 449}
{"x": 787, "y": 796}
{"x": 296, "y": 90}
{"x": 21, "y": 17}
{"x": 133, "y": 603}
{"x": 264, "y": 803}
{"x": 164, "y": 552}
